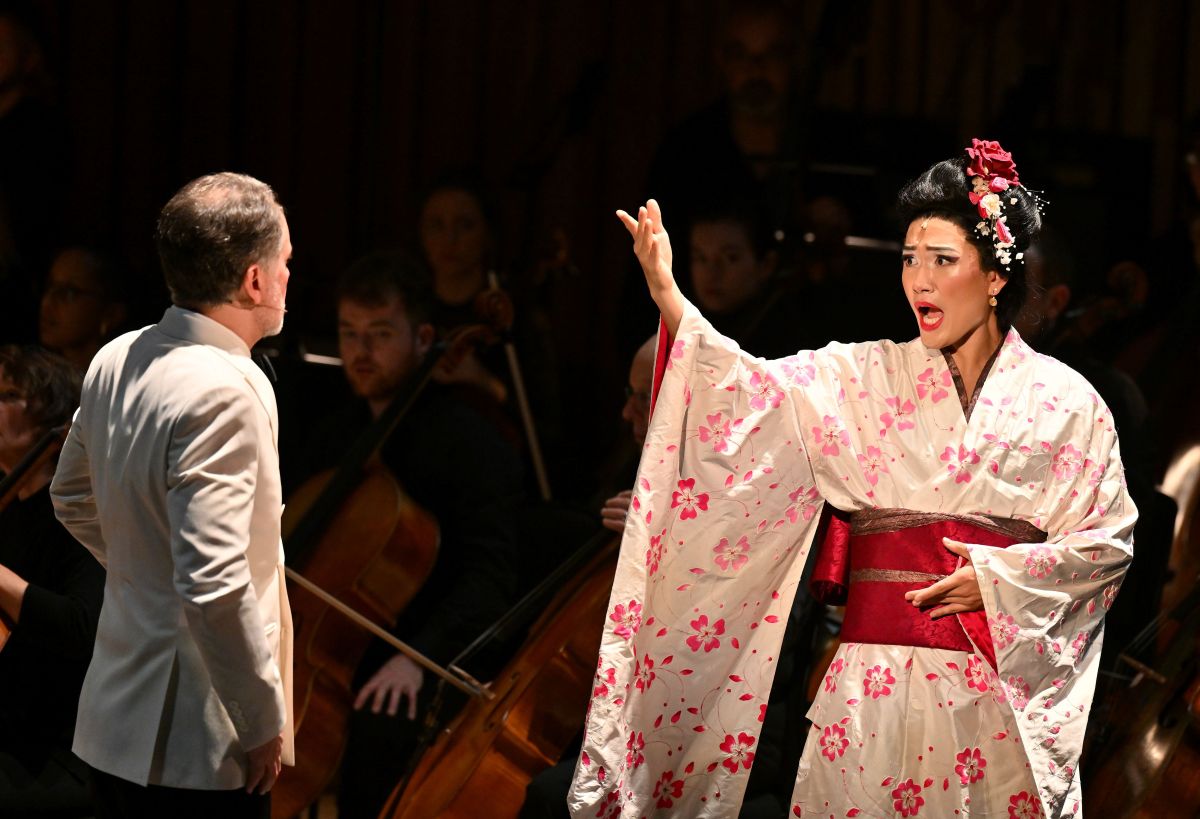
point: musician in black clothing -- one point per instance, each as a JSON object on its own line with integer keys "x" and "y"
{"x": 456, "y": 466}
{"x": 50, "y": 595}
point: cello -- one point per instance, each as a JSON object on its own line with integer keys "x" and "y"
{"x": 363, "y": 549}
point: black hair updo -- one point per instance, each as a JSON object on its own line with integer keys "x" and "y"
{"x": 943, "y": 192}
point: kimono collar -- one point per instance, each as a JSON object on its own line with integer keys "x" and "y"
{"x": 188, "y": 325}
{"x": 1010, "y": 343}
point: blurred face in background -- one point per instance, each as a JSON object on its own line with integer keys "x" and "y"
{"x": 637, "y": 393}
{"x": 379, "y": 346}
{"x": 756, "y": 56}
{"x": 454, "y": 236}
{"x": 726, "y": 272}
{"x": 18, "y": 432}
{"x": 76, "y": 314}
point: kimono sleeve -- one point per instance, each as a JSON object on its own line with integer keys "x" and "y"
{"x": 1045, "y": 603}
{"x": 723, "y": 513}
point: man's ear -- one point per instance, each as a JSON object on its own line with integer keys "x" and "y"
{"x": 253, "y": 286}
{"x": 424, "y": 338}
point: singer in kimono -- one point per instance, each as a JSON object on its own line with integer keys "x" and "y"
{"x": 980, "y": 532}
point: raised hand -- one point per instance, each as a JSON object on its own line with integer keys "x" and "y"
{"x": 652, "y": 246}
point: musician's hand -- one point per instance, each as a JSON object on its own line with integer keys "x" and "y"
{"x": 954, "y": 593}
{"x": 399, "y": 677}
{"x": 263, "y": 765}
{"x": 469, "y": 370}
{"x": 615, "y": 510}
{"x": 653, "y": 249}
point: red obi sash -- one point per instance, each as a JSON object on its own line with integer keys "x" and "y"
{"x": 869, "y": 559}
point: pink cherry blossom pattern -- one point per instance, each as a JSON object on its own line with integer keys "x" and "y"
{"x": 970, "y": 765}
{"x": 739, "y": 751}
{"x": 977, "y": 674}
{"x": 935, "y": 386}
{"x": 667, "y": 790}
{"x": 1024, "y": 805}
{"x": 628, "y": 619}
{"x": 834, "y": 742}
{"x": 835, "y": 670}
{"x": 717, "y": 431}
{"x": 1067, "y": 463}
{"x": 1079, "y": 645}
{"x": 605, "y": 677}
{"x": 830, "y": 434}
{"x": 707, "y": 634}
{"x": 1040, "y": 562}
{"x": 676, "y": 354}
{"x": 959, "y": 463}
{"x": 634, "y": 755}
{"x": 877, "y": 681}
{"x": 801, "y": 375}
{"x": 1004, "y": 629}
{"x": 764, "y": 390}
{"x": 655, "y": 552}
{"x": 643, "y": 672}
{"x": 872, "y": 464}
{"x": 901, "y": 414}
{"x": 731, "y": 557}
{"x": 1110, "y": 594}
{"x": 610, "y": 806}
{"x": 803, "y": 503}
{"x": 689, "y": 499}
{"x": 1018, "y": 692}
{"x": 906, "y": 798}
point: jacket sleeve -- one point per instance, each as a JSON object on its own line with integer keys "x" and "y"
{"x": 211, "y": 477}
{"x": 71, "y": 493}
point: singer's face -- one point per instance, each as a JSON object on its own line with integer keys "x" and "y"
{"x": 275, "y": 285}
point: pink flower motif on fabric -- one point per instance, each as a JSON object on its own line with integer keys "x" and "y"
{"x": 970, "y": 765}
{"x": 830, "y": 435}
{"x": 731, "y": 557}
{"x": 1110, "y": 594}
{"x": 610, "y": 806}
{"x": 764, "y": 390}
{"x": 977, "y": 674}
{"x": 654, "y": 553}
{"x": 1018, "y": 692}
{"x": 959, "y": 464}
{"x": 802, "y": 375}
{"x": 935, "y": 386}
{"x": 628, "y": 619}
{"x": 604, "y": 678}
{"x": 834, "y": 742}
{"x": 1024, "y": 805}
{"x": 906, "y": 798}
{"x": 1040, "y": 562}
{"x": 1067, "y": 463}
{"x": 707, "y": 635}
{"x": 667, "y": 790}
{"x": 689, "y": 499}
{"x": 1004, "y": 629}
{"x": 739, "y": 751}
{"x": 1079, "y": 645}
{"x": 635, "y": 746}
{"x": 717, "y": 431}
{"x": 835, "y": 670}
{"x": 676, "y": 354}
{"x": 643, "y": 672}
{"x": 877, "y": 682}
{"x": 900, "y": 414}
{"x": 872, "y": 464}
{"x": 803, "y": 503}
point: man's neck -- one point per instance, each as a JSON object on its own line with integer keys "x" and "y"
{"x": 240, "y": 321}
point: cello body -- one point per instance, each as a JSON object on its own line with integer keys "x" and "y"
{"x": 374, "y": 556}
{"x": 481, "y": 763}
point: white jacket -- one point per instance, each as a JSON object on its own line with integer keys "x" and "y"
{"x": 170, "y": 477}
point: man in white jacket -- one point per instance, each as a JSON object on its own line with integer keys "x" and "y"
{"x": 170, "y": 477}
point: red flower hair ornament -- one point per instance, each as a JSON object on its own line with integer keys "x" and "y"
{"x": 992, "y": 172}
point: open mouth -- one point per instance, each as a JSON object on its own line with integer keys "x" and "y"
{"x": 929, "y": 316}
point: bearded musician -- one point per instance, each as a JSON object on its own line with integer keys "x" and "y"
{"x": 456, "y": 466}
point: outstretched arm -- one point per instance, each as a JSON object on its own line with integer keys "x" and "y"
{"x": 653, "y": 249}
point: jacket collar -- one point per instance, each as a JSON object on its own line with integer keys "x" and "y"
{"x": 188, "y": 325}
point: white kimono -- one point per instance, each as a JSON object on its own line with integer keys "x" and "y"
{"x": 741, "y": 455}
